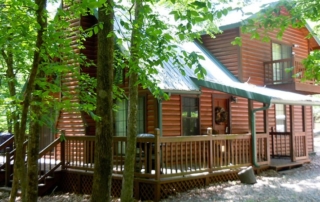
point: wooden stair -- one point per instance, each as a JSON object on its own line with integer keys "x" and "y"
{"x": 280, "y": 165}
{"x": 44, "y": 187}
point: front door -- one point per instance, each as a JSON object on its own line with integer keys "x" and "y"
{"x": 221, "y": 115}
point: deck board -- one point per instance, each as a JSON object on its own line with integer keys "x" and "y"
{"x": 285, "y": 164}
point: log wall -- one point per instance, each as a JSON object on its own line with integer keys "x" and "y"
{"x": 254, "y": 52}
{"x": 224, "y": 51}
{"x": 71, "y": 120}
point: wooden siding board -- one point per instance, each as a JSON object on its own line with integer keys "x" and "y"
{"x": 223, "y": 50}
{"x": 254, "y": 52}
{"x": 171, "y": 110}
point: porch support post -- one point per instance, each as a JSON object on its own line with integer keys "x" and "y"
{"x": 157, "y": 164}
{"x": 266, "y": 130}
{"x": 253, "y": 131}
{"x": 209, "y": 133}
{"x": 292, "y": 142}
{"x": 63, "y": 150}
{"x": 160, "y": 116}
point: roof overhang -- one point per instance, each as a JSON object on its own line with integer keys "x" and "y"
{"x": 260, "y": 94}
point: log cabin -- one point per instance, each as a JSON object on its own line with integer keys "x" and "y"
{"x": 247, "y": 111}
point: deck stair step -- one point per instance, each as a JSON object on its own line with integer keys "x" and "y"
{"x": 8, "y": 190}
{"x": 287, "y": 166}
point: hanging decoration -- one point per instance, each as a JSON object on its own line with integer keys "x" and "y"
{"x": 221, "y": 116}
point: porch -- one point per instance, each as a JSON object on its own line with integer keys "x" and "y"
{"x": 164, "y": 165}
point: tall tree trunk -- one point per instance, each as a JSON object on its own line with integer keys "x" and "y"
{"x": 103, "y": 161}
{"x": 128, "y": 174}
{"x": 19, "y": 167}
{"x": 33, "y": 146}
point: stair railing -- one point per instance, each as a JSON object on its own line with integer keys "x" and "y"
{"x": 9, "y": 156}
{"x": 3, "y": 147}
{"x": 51, "y": 159}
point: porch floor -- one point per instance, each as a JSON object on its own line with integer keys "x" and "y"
{"x": 285, "y": 163}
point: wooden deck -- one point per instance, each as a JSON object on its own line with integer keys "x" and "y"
{"x": 164, "y": 165}
{"x": 279, "y": 164}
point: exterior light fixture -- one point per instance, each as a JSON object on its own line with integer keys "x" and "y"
{"x": 234, "y": 99}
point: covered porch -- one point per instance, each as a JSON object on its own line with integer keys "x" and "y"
{"x": 163, "y": 166}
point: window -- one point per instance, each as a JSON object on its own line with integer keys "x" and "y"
{"x": 122, "y": 114}
{"x": 280, "y": 118}
{"x": 284, "y": 53}
{"x": 190, "y": 116}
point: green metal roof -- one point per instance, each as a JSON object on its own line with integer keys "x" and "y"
{"x": 258, "y": 93}
{"x": 218, "y": 77}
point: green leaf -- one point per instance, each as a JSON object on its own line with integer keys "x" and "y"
{"x": 96, "y": 29}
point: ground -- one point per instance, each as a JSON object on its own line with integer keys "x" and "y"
{"x": 300, "y": 184}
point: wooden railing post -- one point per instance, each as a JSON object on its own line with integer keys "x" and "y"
{"x": 157, "y": 159}
{"x": 292, "y": 136}
{"x": 7, "y": 168}
{"x": 62, "y": 152}
{"x": 157, "y": 153}
{"x": 272, "y": 141}
{"x": 209, "y": 132}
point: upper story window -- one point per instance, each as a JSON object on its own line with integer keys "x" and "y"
{"x": 281, "y": 51}
{"x": 190, "y": 116}
{"x": 281, "y": 56}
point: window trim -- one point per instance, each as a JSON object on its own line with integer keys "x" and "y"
{"x": 199, "y": 114}
{"x": 144, "y": 127}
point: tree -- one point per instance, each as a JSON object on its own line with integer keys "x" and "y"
{"x": 8, "y": 55}
{"x": 101, "y": 190}
{"x": 30, "y": 47}
{"x": 151, "y": 42}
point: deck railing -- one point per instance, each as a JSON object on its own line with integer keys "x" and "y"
{"x": 158, "y": 157}
{"x": 281, "y": 141}
{"x": 278, "y": 71}
{"x": 280, "y": 144}
{"x": 300, "y": 144}
{"x": 6, "y": 147}
{"x": 185, "y": 155}
{"x": 51, "y": 158}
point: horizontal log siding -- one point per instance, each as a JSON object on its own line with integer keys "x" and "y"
{"x": 171, "y": 116}
{"x": 298, "y": 119}
{"x": 91, "y": 52}
{"x": 90, "y": 44}
{"x": 239, "y": 112}
{"x": 254, "y": 53}
{"x": 259, "y": 117}
{"x": 240, "y": 116}
{"x": 223, "y": 50}
{"x": 152, "y": 113}
{"x": 206, "y": 110}
{"x": 71, "y": 120}
{"x": 309, "y": 128}
{"x": 272, "y": 117}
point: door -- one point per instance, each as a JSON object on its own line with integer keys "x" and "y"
{"x": 221, "y": 115}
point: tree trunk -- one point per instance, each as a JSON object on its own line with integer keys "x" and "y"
{"x": 103, "y": 161}
{"x": 19, "y": 167}
{"x": 33, "y": 146}
{"x": 128, "y": 174}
